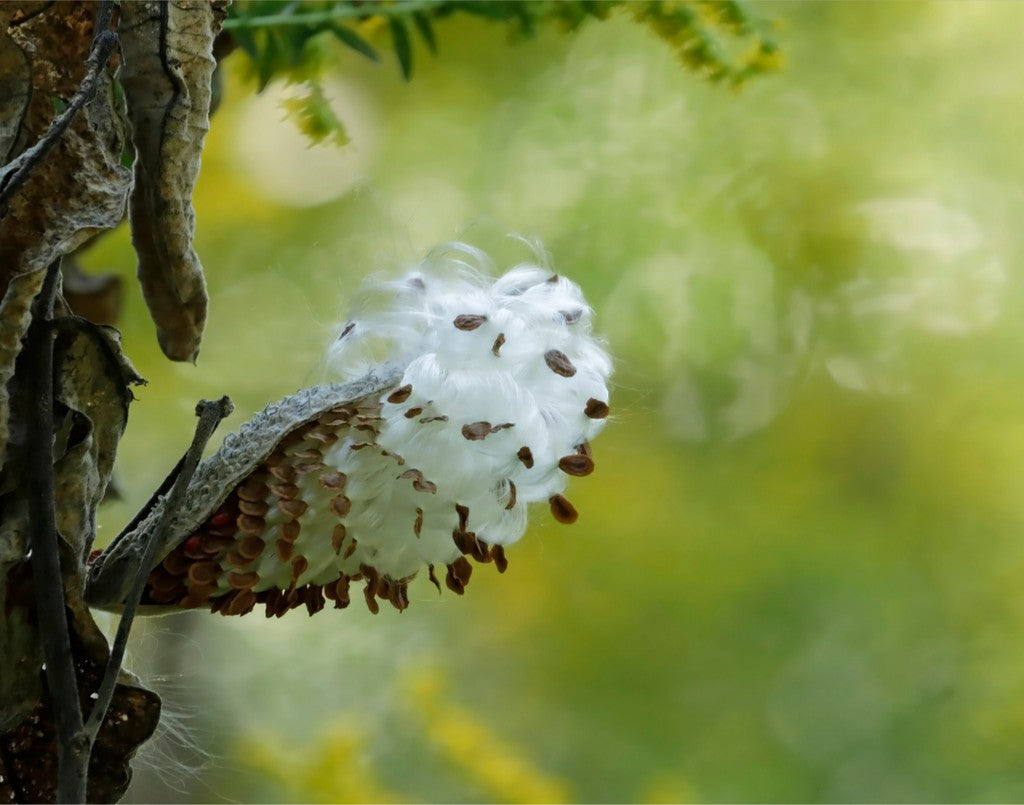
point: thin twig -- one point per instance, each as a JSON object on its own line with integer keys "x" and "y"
{"x": 103, "y": 45}
{"x": 72, "y": 747}
{"x": 210, "y": 414}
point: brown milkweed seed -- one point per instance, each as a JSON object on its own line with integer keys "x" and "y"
{"x": 498, "y": 555}
{"x": 351, "y": 549}
{"x": 299, "y": 566}
{"x": 498, "y": 342}
{"x": 475, "y": 431}
{"x": 243, "y": 581}
{"x": 400, "y": 395}
{"x": 333, "y": 480}
{"x": 511, "y": 495}
{"x": 417, "y": 524}
{"x": 293, "y": 508}
{"x": 250, "y": 524}
{"x": 290, "y": 530}
{"x": 253, "y": 492}
{"x": 526, "y": 456}
{"x": 562, "y": 510}
{"x": 341, "y": 505}
{"x": 338, "y": 537}
{"x": 595, "y": 409}
{"x": 241, "y": 603}
{"x": 285, "y": 491}
{"x": 203, "y": 573}
{"x": 285, "y": 550}
{"x": 463, "y": 512}
{"x": 325, "y": 438}
{"x": 250, "y": 547}
{"x": 255, "y": 508}
{"x": 433, "y": 577}
{"x": 311, "y": 453}
{"x": 468, "y": 321}
{"x": 283, "y": 472}
{"x": 308, "y": 467}
{"x": 559, "y": 363}
{"x": 576, "y": 465}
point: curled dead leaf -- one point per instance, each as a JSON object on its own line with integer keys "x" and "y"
{"x": 167, "y": 49}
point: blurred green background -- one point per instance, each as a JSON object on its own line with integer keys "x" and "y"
{"x": 797, "y": 573}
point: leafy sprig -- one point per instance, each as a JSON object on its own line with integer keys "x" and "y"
{"x": 720, "y": 40}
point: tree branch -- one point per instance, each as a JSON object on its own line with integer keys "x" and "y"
{"x": 210, "y": 414}
{"x": 72, "y": 747}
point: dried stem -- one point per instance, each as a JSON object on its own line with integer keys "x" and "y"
{"x": 72, "y": 745}
{"x": 210, "y": 414}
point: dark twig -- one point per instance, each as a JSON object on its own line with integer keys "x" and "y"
{"x": 72, "y": 745}
{"x": 103, "y": 45}
{"x": 210, "y": 414}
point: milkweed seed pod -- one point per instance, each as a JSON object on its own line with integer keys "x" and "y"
{"x": 463, "y": 399}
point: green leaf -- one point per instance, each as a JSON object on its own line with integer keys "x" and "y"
{"x": 426, "y": 30}
{"x": 355, "y": 41}
{"x": 403, "y": 48}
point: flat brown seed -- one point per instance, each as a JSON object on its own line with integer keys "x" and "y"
{"x": 498, "y": 342}
{"x": 462, "y": 569}
{"x": 333, "y": 480}
{"x": 416, "y": 410}
{"x": 176, "y": 563}
{"x": 274, "y": 459}
{"x": 351, "y": 549}
{"x": 251, "y": 546}
{"x": 498, "y": 555}
{"x": 250, "y": 524}
{"x": 307, "y": 467}
{"x": 283, "y": 472}
{"x": 433, "y": 577}
{"x": 285, "y": 491}
{"x": 293, "y": 508}
{"x": 241, "y": 604}
{"x": 162, "y": 581}
{"x": 235, "y": 559}
{"x": 468, "y": 321}
{"x": 253, "y": 492}
{"x": 559, "y": 363}
{"x": 290, "y": 530}
{"x": 256, "y": 508}
{"x": 338, "y": 537}
{"x": 311, "y": 453}
{"x": 475, "y": 431}
{"x": 341, "y": 505}
{"x": 452, "y": 583}
{"x": 203, "y": 573}
{"x": 526, "y": 456}
{"x": 584, "y": 450}
{"x": 243, "y": 581}
{"x": 318, "y": 434}
{"x": 422, "y": 485}
{"x": 213, "y": 544}
{"x": 511, "y": 495}
{"x": 285, "y": 550}
{"x": 595, "y": 409}
{"x": 463, "y": 512}
{"x": 562, "y": 510}
{"x": 576, "y": 464}
{"x": 299, "y": 566}
{"x": 341, "y": 591}
{"x": 417, "y": 524}
{"x": 439, "y": 418}
{"x": 400, "y": 395}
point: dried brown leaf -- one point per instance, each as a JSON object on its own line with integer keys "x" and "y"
{"x": 167, "y": 72}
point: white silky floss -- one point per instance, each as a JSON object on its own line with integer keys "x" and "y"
{"x": 504, "y": 388}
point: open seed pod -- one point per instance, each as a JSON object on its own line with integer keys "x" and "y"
{"x": 490, "y": 395}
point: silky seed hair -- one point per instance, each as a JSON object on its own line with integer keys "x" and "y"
{"x": 504, "y": 388}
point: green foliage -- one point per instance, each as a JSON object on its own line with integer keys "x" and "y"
{"x": 292, "y": 40}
